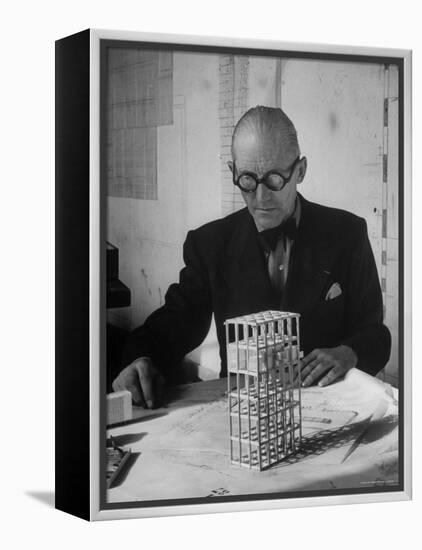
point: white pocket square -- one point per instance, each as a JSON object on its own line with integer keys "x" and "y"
{"x": 333, "y": 292}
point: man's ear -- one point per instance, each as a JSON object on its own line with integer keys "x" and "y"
{"x": 230, "y": 165}
{"x": 301, "y": 169}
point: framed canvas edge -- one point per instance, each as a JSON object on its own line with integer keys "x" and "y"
{"x": 95, "y": 263}
{"x": 220, "y": 41}
{"x": 249, "y": 506}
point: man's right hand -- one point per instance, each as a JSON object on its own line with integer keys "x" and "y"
{"x": 144, "y": 382}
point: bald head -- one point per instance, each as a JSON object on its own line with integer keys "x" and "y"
{"x": 265, "y": 143}
{"x": 265, "y": 132}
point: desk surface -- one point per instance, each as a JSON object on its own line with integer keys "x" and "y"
{"x": 181, "y": 451}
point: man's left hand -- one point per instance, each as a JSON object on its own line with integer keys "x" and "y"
{"x": 327, "y": 365}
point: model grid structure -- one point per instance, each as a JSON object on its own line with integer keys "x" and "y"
{"x": 263, "y": 360}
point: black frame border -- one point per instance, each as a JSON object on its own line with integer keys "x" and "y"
{"x": 72, "y": 293}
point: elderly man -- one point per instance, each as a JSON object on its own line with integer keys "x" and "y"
{"x": 280, "y": 252}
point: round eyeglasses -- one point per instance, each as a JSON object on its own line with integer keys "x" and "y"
{"x": 273, "y": 180}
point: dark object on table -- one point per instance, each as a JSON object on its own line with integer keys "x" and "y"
{"x": 118, "y": 294}
{"x": 116, "y": 458}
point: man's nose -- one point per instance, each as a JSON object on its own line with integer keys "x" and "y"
{"x": 263, "y": 194}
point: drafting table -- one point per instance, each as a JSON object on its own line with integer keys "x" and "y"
{"x": 182, "y": 450}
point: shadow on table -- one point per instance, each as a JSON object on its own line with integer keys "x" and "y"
{"x": 140, "y": 414}
{"x": 128, "y": 439}
{"x": 325, "y": 440}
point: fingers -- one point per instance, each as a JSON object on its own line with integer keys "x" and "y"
{"x": 309, "y": 363}
{"x": 327, "y": 365}
{"x": 310, "y": 357}
{"x": 159, "y": 389}
{"x": 315, "y": 365}
{"x": 316, "y": 373}
{"x": 297, "y": 374}
{"x": 128, "y": 380}
{"x": 151, "y": 381}
{"x": 144, "y": 382}
{"x": 137, "y": 397}
{"x": 146, "y": 379}
{"x": 331, "y": 377}
{"x": 309, "y": 368}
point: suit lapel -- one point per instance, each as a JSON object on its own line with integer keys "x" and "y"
{"x": 310, "y": 262}
{"x": 245, "y": 272}
{"x": 244, "y": 269}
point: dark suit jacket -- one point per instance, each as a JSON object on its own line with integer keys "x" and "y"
{"x": 225, "y": 273}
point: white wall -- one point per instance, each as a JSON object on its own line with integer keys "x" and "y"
{"x": 149, "y": 233}
{"x": 338, "y": 111}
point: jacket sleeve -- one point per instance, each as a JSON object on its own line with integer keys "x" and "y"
{"x": 182, "y": 323}
{"x": 368, "y": 336}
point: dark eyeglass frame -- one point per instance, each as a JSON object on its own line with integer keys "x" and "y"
{"x": 263, "y": 180}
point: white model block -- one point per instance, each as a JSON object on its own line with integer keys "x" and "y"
{"x": 119, "y": 407}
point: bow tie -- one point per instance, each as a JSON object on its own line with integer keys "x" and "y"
{"x": 270, "y": 237}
